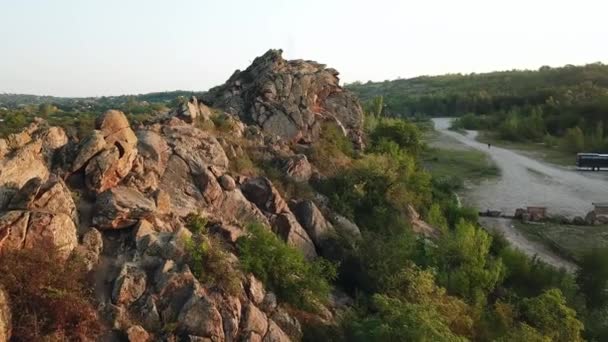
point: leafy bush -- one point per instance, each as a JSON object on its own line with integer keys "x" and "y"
{"x": 464, "y": 264}
{"x": 284, "y": 269}
{"x": 405, "y": 134}
{"x": 552, "y": 317}
{"x": 196, "y": 223}
{"x": 210, "y": 263}
{"x": 332, "y": 151}
{"x": 50, "y": 299}
{"x": 398, "y": 320}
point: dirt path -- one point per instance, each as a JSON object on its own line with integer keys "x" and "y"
{"x": 519, "y": 241}
{"x": 528, "y": 182}
{"x": 523, "y": 182}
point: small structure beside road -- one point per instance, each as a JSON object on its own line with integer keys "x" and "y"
{"x": 531, "y": 213}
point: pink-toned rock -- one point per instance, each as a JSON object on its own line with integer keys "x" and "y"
{"x": 121, "y": 207}
{"x": 137, "y": 333}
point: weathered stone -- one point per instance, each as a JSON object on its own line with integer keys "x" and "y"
{"x": 254, "y": 320}
{"x": 52, "y": 196}
{"x": 5, "y": 317}
{"x": 91, "y": 248}
{"x": 269, "y": 304}
{"x": 121, "y": 207}
{"x": 287, "y": 323}
{"x": 200, "y": 317}
{"x": 255, "y": 289}
{"x": 313, "y": 221}
{"x": 129, "y": 285}
{"x": 137, "y": 333}
{"x": 288, "y": 228}
{"x": 90, "y": 147}
{"x": 153, "y": 156}
{"x": 51, "y": 232}
{"x": 209, "y": 187}
{"x": 236, "y": 208}
{"x": 227, "y": 182}
{"x": 275, "y": 334}
{"x": 288, "y": 98}
{"x": 419, "y": 226}
{"x": 345, "y": 225}
{"x": 178, "y": 183}
{"x": 21, "y": 165}
{"x": 298, "y": 168}
{"x": 197, "y": 148}
{"x": 260, "y": 191}
{"x": 111, "y": 122}
{"x": 109, "y": 166}
{"x": 13, "y": 229}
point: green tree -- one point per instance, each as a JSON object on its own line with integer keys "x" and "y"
{"x": 397, "y": 320}
{"x": 403, "y": 133}
{"x": 465, "y": 265}
{"x": 46, "y": 109}
{"x": 284, "y": 269}
{"x": 592, "y": 277}
{"x": 574, "y": 140}
{"x": 378, "y": 106}
{"x": 549, "y": 313}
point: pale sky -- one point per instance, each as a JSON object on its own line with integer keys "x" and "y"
{"x": 113, "y": 47}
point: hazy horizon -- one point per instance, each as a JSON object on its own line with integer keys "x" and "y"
{"x": 104, "y": 48}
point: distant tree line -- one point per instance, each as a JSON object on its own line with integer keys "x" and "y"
{"x": 565, "y": 107}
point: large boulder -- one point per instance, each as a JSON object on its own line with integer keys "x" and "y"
{"x": 26, "y": 155}
{"x": 129, "y": 286}
{"x": 192, "y": 109}
{"x": 40, "y": 230}
{"x": 263, "y": 194}
{"x": 298, "y": 168}
{"x": 313, "y": 221}
{"x": 108, "y": 161}
{"x": 122, "y": 207}
{"x": 40, "y": 215}
{"x": 5, "y": 317}
{"x": 290, "y": 99}
{"x": 200, "y": 317}
{"x": 52, "y": 196}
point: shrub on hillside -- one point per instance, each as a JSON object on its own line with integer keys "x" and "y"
{"x": 50, "y": 299}
{"x": 284, "y": 269}
{"x": 405, "y": 134}
{"x": 210, "y": 263}
{"x": 332, "y": 151}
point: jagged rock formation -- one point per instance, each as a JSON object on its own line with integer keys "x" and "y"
{"x": 5, "y": 317}
{"x": 120, "y": 198}
{"x": 289, "y": 98}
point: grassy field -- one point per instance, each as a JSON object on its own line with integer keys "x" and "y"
{"x": 534, "y": 150}
{"x": 569, "y": 241}
{"x": 445, "y": 157}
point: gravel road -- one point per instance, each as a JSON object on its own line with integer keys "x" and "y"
{"x": 528, "y": 182}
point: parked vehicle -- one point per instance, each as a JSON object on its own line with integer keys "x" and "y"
{"x": 593, "y": 161}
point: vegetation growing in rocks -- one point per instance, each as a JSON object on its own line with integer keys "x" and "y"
{"x": 209, "y": 259}
{"x": 50, "y": 299}
{"x": 211, "y": 264}
{"x": 283, "y": 269}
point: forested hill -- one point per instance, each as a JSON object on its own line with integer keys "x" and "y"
{"x": 12, "y": 101}
{"x": 456, "y": 94}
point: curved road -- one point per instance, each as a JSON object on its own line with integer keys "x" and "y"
{"x": 528, "y": 182}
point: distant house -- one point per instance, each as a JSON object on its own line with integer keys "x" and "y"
{"x": 537, "y": 213}
{"x": 600, "y": 208}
